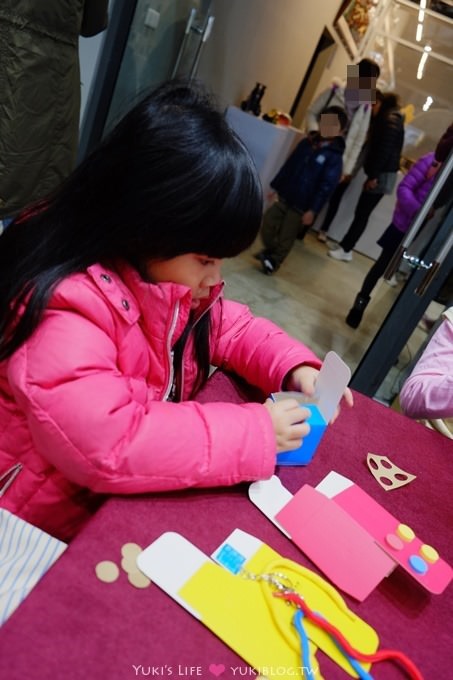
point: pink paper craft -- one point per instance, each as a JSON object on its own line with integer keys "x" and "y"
{"x": 344, "y": 551}
{"x": 382, "y": 526}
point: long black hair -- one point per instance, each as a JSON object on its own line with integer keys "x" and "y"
{"x": 171, "y": 178}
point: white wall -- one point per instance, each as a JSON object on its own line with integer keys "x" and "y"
{"x": 257, "y": 40}
{"x": 266, "y": 41}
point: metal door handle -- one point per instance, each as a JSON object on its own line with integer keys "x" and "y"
{"x": 434, "y": 266}
{"x": 206, "y": 33}
{"x": 190, "y": 20}
{"x": 208, "y": 29}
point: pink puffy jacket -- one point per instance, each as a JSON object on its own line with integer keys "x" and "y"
{"x": 83, "y": 408}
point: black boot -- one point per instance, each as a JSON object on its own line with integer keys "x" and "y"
{"x": 356, "y": 312}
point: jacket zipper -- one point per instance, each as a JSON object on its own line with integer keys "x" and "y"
{"x": 170, "y": 352}
{"x": 181, "y": 389}
{"x": 8, "y": 477}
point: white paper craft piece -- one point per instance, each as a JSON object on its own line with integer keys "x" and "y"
{"x": 331, "y": 382}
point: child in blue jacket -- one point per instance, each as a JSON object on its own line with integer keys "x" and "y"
{"x": 304, "y": 184}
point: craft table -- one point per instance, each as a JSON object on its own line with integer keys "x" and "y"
{"x": 74, "y": 627}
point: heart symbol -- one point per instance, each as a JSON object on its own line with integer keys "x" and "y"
{"x": 217, "y": 669}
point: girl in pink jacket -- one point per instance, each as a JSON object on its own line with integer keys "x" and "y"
{"x": 111, "y": 314}
{"x": 427, "y": 393}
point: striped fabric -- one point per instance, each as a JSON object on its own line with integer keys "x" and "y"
{"x": 26, "y": 553}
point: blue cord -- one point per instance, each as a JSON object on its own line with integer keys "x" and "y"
{"x": 305, "y": 649}
{"x": 361, "y": 672}
{"x": 359, "y": 669}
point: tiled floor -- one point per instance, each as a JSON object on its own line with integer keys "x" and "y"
{"x": 310, "y": 296}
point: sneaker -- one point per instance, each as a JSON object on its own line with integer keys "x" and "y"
{"x": 267, "y": 263}
{"x": 340, "y": 254}
{"x": 322, "y": 236}
{"x": 392, "y": 282}
{"x": 268, "y": 266}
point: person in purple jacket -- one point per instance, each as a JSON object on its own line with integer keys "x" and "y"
{"x": 411, "y": 194}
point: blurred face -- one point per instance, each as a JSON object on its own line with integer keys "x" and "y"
{"x": 359, "y": 89}
{"x": 329, "y": 125}
{"x": 197, "y": 272}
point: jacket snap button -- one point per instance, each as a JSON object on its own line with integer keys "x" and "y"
{"x": 125, "y": 304}
{"x": 106, "y": 277}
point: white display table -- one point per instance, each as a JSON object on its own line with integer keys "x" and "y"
{"x": 269, "y": 144}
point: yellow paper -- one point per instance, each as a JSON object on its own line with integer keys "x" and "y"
{"x": 258, "y": 626}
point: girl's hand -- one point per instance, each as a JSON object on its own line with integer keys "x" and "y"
{"x": 349, "y": 399}
{"x": 287, "y": 418}
{"x": 303, "y": 379}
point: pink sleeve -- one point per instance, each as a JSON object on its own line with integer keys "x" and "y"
{"x": 428, "y": 392}
{"x": 104, "y": 430}
{"x": 256, "y": 349}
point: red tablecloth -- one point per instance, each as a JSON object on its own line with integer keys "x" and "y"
{"x": 74, "y": 627}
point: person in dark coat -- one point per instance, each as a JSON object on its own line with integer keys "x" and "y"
{"x": 381, "y": 165}
{"x": 303, "y": 184}
{"x": 40, "y": 94}
{"x": 411, "y": 194}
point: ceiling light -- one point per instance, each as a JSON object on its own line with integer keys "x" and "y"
{"x": 427, "y": 104}
{"x": 421, "y": 65}
{"x": 418, "y": 35}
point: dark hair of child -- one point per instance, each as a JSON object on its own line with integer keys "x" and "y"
{"x": 341, "y": 113}
{"x": 172, "y": 178}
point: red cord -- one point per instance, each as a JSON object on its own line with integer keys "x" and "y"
{"x": 380, "y": 655}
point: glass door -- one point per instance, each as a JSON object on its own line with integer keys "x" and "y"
{"x": 146, "y": 44}
{"x": 160, "y": 45}
{"x": 386, "y": 362}
{"x": 411, "y": 39}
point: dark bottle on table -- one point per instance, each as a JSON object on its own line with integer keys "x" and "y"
{"x": 253, "y": 102}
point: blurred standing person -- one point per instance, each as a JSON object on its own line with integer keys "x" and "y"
{"x": 303, "y": 185}
{"x": 40, "y": 94}
{"x": 443, "y": 149}
{"x": 381, "y": 165}
{"x": 411, "y": 194}
{"x": 357, "y": 98}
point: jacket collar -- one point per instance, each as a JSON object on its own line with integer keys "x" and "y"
{"x": 131, "y": 295}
